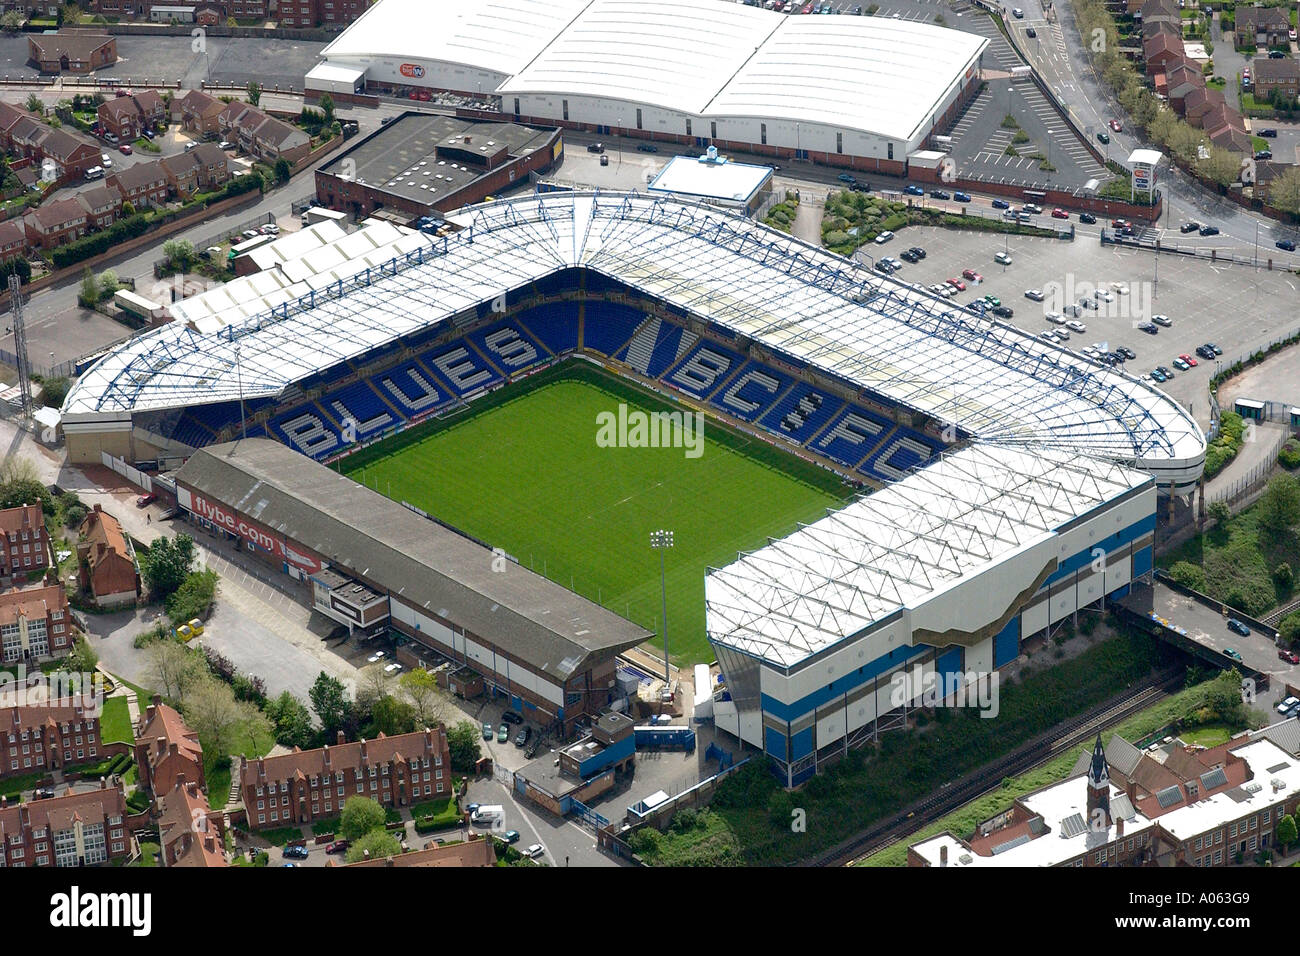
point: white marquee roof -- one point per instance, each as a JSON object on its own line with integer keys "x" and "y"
{"x": 897, "y": 546}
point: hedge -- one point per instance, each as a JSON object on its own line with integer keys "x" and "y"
{"x": 88, "y": 246}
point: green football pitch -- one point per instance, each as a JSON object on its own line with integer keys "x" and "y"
{"x": 522, "y": 470}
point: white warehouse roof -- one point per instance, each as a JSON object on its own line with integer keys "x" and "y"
{"x": 705, "y": 178}
{"x": 897, "y": 547}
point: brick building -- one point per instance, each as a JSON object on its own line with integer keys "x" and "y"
{"x": 13, "y": 239}
{"x": 307, "y": 785}
{"x": 202, "y": 168}
{"x": 70, "y": 155}
{"x": 54, "y": 223}
{"x": 141, "y": 185}
{"x": 1261, "y": 26}
{"x": 189, "y": 833}
{"x": 46, "y": 736}
{"x": 128, "y": 116}
{"x": 107, "y": 560}
{"x": 1271, "y": 74}
{"x": 166, "y": 748}
{"x": 184, "y": 11}
{"x": 261, "y": 135}
{"x": 75, "y": 829}
{"x": 321, "y": 13}
{"x": 72, "y": 52}
{"x": 198, "y": 112}
{"x": 103, "y": 204}
{"x": 34, "y": 624}
{"x": 24, "y": 541}
{"x": 476, "y": 851}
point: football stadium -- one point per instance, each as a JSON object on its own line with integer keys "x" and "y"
{"x": 1009, "y": 482}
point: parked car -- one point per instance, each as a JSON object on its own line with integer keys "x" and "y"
{"x": 1209, "y": 230}
{"x": 1267, "y": 133}
{"x": 1074, "y": 325}
{"x": 250, "y": 233}
{"x": 1162, "y": 320}
{"x": 1287, "y": 245}
{"x": 145, "y": 501}
{"x": 1291, "y": 657}
{"x": 510, "y": 717}
{"x": 487, "y": 731}
{"x": 225, "y": 145}
{"x": 126, "y": 149}
{"x": 106, "y": 161}
{"x": 1127, "y": 352}
{"x": 884, "y": 237}
{"x": 196, "y": 626}
{"x": 959, "y": 196}
{"x": 1031, "y": 33}
{"x": 535, "y": 851}
{"x": 1055, "y": 318}
{"x": 1059, "y": 213}
{"x": 1237, "y": 627}
{"x": 1018, "y": 13}
{"x": 375, "y": 658}
{"x": 1276, "y": 55}
{"x": 1188, "y": 359}
{"x": 1263, "y": 154}
{"x": 1180, "y": 365}
{"x": 1003, "y": 312}
{"x": 43, "y": 793}
{"x": 971, "y": 275}
{"x": 604, "y": 159}
{"x": 1087, "y": 217}
{"x": 1103, "y": 138}
{"x": 957, "y": 284}
{"x": 510, "y": 836}
{"x": 521, "y": 738}
{"x": 909, "y": 256}
{"x": 111, "y": 138}
{"x": 338, "y": 846}
{"x": 911, "y": 190}
{"x": 918, "y": 251}
{"x": 847, "y": 178}
{"x": 595, "y": 147}
{"x": 1033, "y": 208}
{"x": 1214, "y": 348}
{"x": 503, "y": 733}
{"x": 1148, "y": 327}
{"x": 1002, "y": 257}
{"x": 294, "y": 853}
{"x": 647, "y": 148}
{"x": 939, "y": 194}
{"x": 1036, "y": 294}
{"x": 1115, "y": 126}
{"x": 270, "y": 229}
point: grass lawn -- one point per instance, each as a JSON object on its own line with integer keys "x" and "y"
{"x": 963, "y": 821}
{"x": 524, "y": 473}
{"x": 147, "y": 857}
{"x": 1238, "y": 561}
{"x": 115, "y": 722}
{"x": 279, "y": 836}
{"x": 216, "y": 771}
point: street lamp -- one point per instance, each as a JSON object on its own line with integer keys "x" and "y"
{"x": 660, "y": 541}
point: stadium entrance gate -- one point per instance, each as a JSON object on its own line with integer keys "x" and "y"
{"x": 588, "y": 817}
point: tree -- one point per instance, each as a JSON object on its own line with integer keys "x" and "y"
{"x": 178, "y": 252}
{"x": 373, "y": 685}
{"x": 167, "y": 563}
{"x": 254, "y": 92}
{"x": 35, "y": 104}
{"x": 1221, "y": 166}
{"x": 361, "y": 815}
{"x": 108, "y": 283}
{"x": 173, "y": 669}
{"x": 213, "y": 713}
{"x": 89, "y": 294}
{"x": 1220, "y": 512}
{"x": 11, "y": 21}
{"x": 420, "y": 689}
{"x": 20, "y": 485}
{"x": 1284, "y": 193}
{"x": 463, "y": 743}
{"x": 327, "y": 107}
{"x": 83, "y": 657}
{"x": 290, "y": 720}
{"x": 55, "y": 390}
{"x": 283, "y": 171}
{"x": 330, "y": 702}
{"x": 376, "y": 845}
{"x": 1286, "y": 830}
{"x": 1279, "y": 508}
{"x": 392, "y": 715}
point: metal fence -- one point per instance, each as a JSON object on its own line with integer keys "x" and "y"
{"x": 45, "y": 371}
{"x": 1256, "y": 478}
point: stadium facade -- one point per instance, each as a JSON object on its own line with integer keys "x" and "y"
{"x": 860, "y": 92}
{"x": 1018, "y": 480}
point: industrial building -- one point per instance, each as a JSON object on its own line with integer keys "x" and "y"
{"x": 859, "y": 92}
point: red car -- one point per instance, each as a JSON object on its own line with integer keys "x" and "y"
{"x": 1059, "y": 213}
{"x": 808, "y": 8}
{"x": 338, "y": 846}
{"x": 957, "y": 284}
{"x": 1291, "y": 657}
{"x": 145, "y": 501}
{"x": 972, "y": 275}
{"x": 1115, "y": 125}
{"x": 1120, "y": 224}
{"x": 126, "y": 149}
{"x": 1188, "y": 359}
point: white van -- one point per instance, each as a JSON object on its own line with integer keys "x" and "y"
{"x": 490, "y": 815}
{"x": 95, "y": 172}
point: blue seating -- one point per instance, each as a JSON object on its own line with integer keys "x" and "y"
{"x": 706, "y": 366}
{"x": 508, "y": 346}
{"x": 326, "y": 376}
{"x": 307, "y": 429}
{"x": 801, "y": 413}
{"x": 411, "y": 388}
{"x": 665, "y": 350}
{"x": 853, "y": 432}
{"x": 460, "y": 367}
{"x": 606, "y": 327}
{"x": 359, "y": 403}
{"x": 751, "y": 392}
{"x": 555, "y": 325}
{"x": 905, "y": 450}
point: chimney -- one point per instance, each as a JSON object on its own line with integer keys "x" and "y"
{"x": 103, "y": 784}
{"x": 149, "y": 714}
{"x": 172, "y": 749}
{"x": 1119, "y": 828}
{"x": 363, "y": 749}
{"x": 180, "y": 781}
{"x": 326, "y": 754}
{"x": 341, "y": 738}
{"x": 1131, "y": 788}
{"x": 261, "y": 768}
{"x": 98, "y": 508}
{"x": 943, "y": 855}
{"x": 27, "y": 517}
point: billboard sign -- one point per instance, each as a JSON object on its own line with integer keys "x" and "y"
{"x": 412, "y": 71}
{"x": 232, "y": 523}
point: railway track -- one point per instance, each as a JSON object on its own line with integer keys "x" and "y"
{"x": 988, "y": 778}
{"x": 1274, "y": 619}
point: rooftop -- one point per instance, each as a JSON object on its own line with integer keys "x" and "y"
{"x": 701, "y": 178}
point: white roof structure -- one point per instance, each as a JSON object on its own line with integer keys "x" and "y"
{"x": 1145, "y": 157}
{"x": 869, "y": 73}
{"x": 676, "y": 54}
{"x": 705, "y": 58}
{"x": 380, "y": 283}
{"x": 500, "y": 35}
{"x": 898, "y": 547}
{"x": 703, "y": 178}
{"x": 1275, "y": 777}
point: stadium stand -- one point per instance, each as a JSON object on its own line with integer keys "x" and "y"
{"x": 463, "y": 369}
{"x": 852, "y": 434}
{"x": 555, "y": 326}
{"x": 360, "y": 403}
{"x": 508, "y": 347}
{"x": 607, "y": 327}
{"x": 751, "y": 392}
{"x": 412, "y": 389}
{"x": 901, "y": 454}
{"x": 705, "y": 367}
{"x": 801, "y": 413}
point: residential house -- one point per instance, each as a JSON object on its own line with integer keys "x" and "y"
{"x": 198, "y": 112}
{"x": 261, "y": 135}
{"x": 307, "y": 785}
{"x": 73, "y": 829}
{"x": 1159, "y": 50}
{"x": 47, "y": 736}
{"x": 107, "y": 560}
{"x": 166, "y": 748}
{"x": 144, "y": 184}
{"x": 71, "y": 156}
{"x": 1200, "y": 102}
{"x": 1261, "y": 26}
{"x": 183, "y": 11}
{"x": 55, "y": 223}
{"x": 189, "y": 833}
{"x": 1159, "y": 9}
{"x": 121, "y": 117}
{"x": 34, "y": 624}
{"x": 103, "y": 204}
{"x": 1282, "y": 75}
{"x": 1232, "y": 137}
{"x": 24, "y": 542}
{"x": 9, "y": 115}
{"x": 1161, "y": 27}
{"x": 72, "y": 52}
{"x": 13, "y": 239}
{"x": 204, "y": 167}
{"x": 1180, "y": 80}
{"x": 326, "y": 13}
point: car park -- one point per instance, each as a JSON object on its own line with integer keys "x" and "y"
{"x": 1036, "y": 295}
{"x": 911, "y": 190}
{"x": 1088, "y": 218}
{"x": 1209, "y": 230}
{"x": 884, "y": 237}
{"x": 503, "y": 733}
{"x": 1291, "y": 657}
{"x": 1163, "y": 320}
{"x": 1074, "y": 325}
{"x": 294, "y": 852}
{"x": 1003, "y": 257}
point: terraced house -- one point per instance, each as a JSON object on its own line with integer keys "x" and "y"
{"x": 198, "y": 112}
{"x": 307, "y": 785}
{"x": 75, "y": 829}
{"x": 103, "y": 204}
{"x": 261, "y": 135}
{"x": 166, "y": 748}
{"x": 54, "y": 223}
{"x": 34, "y": 624}
{"x": 13, "y": 239}
{"x": 1261, "y": 26}
{"x": 71, "y": 156}
{"x": 144, "y": 184}
{"x": 204, "y": 167}
{"x": 24, "y": 542}
{"x": 46, "y": 737}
